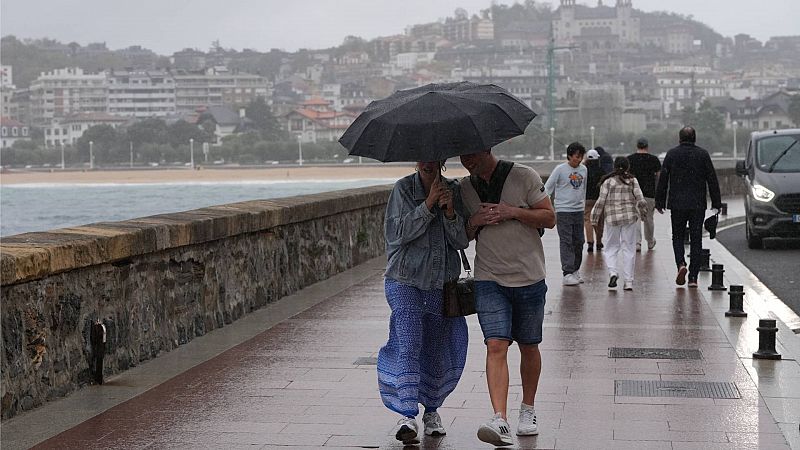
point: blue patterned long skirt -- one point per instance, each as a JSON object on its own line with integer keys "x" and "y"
{"x": 426, "y": 352}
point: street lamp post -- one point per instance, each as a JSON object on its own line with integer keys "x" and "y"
{"x": 205, "y": 152}
{"x": 552, "y": 135}
{"x": 91, "y": 155}
{"x": 131, "y": 154}
{"x": 591, "y": 130}
{"x": 191, "y": 152}
{"x": 63, "y": 166}
{"x": 300, "y": 150}
{"x": 735, "y": 125}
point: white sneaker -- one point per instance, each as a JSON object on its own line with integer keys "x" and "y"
{"x": 406, "y": 431}
{"x": 580, "y": 277}
{"x": 433, "y": 424}
{"x": 496, "y": 432}
{"x": 628, "y": 286}
{"x": 571, "y": 280}
{"x": 527, "y": 421}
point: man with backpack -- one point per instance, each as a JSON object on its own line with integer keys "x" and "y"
{"x": 507, "y": 207}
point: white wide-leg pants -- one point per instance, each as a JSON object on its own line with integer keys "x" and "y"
{"x": 620, "y": 239}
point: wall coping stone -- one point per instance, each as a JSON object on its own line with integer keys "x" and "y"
{"x": 31, "y": 256}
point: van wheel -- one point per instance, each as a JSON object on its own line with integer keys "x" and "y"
{"x": 753, "y": 241}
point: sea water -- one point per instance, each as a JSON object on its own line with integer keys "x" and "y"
{"x": 41, "y": 207}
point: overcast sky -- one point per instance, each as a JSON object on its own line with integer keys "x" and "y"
{"x": 166, "y": 26}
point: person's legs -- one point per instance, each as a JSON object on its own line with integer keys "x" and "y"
{"x": 696, "y": 218}
{"x": 528, "y": 304}
{"x": 679, "y": 218}
{"x": 494, "y": 309}
{"x": 588, "y": 230}
{"x": 578, "y": 239}
{"x": 649, "y": 224}
{"x": 565, "y": 242}
{"x": 627, "y": 234}
{"x": 442, "y": 359}
{"x": 398, "y": 360}
{"x": 612, "y": 242}
{"x": 598, "y": 231}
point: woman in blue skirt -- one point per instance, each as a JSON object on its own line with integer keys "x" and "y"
{"x": 426, "y": 352}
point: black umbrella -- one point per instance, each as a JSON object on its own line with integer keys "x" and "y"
{"x": 436, "y": 122}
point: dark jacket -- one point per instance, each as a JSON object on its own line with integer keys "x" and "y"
{"x": 606, "y": 160}
{"x": 686, "y": 174}
{"x": 595, "y": 173}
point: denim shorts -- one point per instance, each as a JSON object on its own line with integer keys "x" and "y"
{"x": 511, "y": 313}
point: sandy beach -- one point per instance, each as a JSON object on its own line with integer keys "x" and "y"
{"x": 210, "y": 175}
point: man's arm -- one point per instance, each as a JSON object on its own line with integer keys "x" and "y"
{"x": 661, "y": 188}
{"x": 540, "y": 215}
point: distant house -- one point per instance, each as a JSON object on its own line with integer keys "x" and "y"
{"x": 12, "y": 131}
{"x": 771, "y": 112}
{"x": 222, "y": 122}
{"x": 67, "y": 130}
{"x": 315, "y": 121}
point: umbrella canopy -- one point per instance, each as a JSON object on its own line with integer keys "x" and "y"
{"x": 436, "y": 122}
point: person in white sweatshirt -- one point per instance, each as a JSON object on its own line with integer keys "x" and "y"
{"x": 567, "y": 183}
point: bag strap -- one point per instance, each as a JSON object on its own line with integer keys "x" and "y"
{"x": 465, "y": 261}
{"x": 491, "y": 192}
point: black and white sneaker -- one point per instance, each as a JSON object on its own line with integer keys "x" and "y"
{"x": 612, "y": 282}
{"x": 406, "y": 431}
{"x": 433, "y": 424}
{"x": 496, "y": 432}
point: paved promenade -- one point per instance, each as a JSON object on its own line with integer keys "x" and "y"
{"x": 285, "y": 375}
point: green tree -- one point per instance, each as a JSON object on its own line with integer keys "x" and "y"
{"x": 148, "y": 131}
{"x": 794, "y": 109}
{"x": 104, "y": 140}
{"x": 261, "y": 114}
{"x": 181, "y": 131}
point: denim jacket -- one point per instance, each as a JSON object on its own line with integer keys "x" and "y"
{"x": 420, "y": 242}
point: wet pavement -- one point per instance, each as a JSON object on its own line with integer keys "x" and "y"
{"x": 285, "y": 375}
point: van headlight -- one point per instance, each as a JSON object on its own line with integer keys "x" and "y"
{"x": 762, "y": 194}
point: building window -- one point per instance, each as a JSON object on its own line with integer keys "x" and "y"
{"x": 4, "y": 131}
{"x": 14, "y": 131}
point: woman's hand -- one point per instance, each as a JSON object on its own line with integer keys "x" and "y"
{"x": 446, "y": 202}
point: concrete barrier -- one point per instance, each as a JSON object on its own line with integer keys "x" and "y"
{"x": 157, "y": 282}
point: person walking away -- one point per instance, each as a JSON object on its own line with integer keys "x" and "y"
{"x": 686, "y": 175}
{"x": 567, "y": 184}
{"x": 594, "y": 174}
{"x": 507, "y": 206}
{"x": 425, "y": 354}
{"x": 606, "y": 160}
{"x": 645, "y": 167}
{"x": 621, "y": 202}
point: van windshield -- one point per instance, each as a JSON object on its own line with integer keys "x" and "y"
{"x": 772, "y": 154}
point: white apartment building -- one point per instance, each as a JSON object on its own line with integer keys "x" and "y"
{"x": 525, "y": 79}
{"x": 216, "y": 87}
{"x": 410, "y": 60}
{"x": 67, "y": 130}
{"x": 679, "y": 87}
{"x": 67, "y": 91}
{"x": 141, "y": 93}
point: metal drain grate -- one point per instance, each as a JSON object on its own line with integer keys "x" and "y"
{"x": 654, "y": 353}
{"x": 366, "y": 361}
{"x": 685, "y": 389}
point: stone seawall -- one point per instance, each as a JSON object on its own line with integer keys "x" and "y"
{"x": 157, "y": 282}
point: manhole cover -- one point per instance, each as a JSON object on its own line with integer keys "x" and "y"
{"x": 366, "y": 361}
{"x": 654, "y": 353}
{"x": 686, "y": 389}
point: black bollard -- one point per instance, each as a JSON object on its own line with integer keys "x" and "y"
{"x": 723, "y": 211}
{"x": 737, "y": 302}
{"x": 716, "y": 278}
{"x": 766, "y": 340}
{"x": 705, "y": 260}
